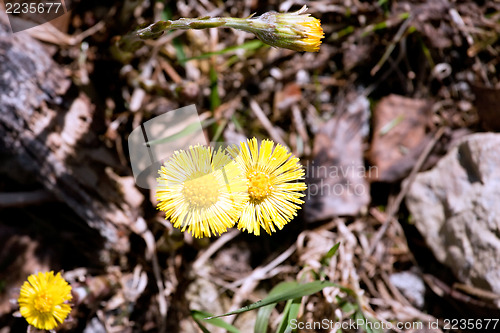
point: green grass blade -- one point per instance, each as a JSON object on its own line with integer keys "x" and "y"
{"x": 342, "y": 33}
{"x": 294, "y": 312}
{"x": 332, "y": 251}
{"x": 291, "y": 312}
{"x": 359, "y": 316}
{"x": 368, "y": 323}
{"x": 200, "y": 317}
{"x": 236, "y": 123}
{"x": 294, "y": 292}
{"x": 390, "y": 125}
{"x": 219, "y": 128}
{"x": 262, "y": 320}
{"x": 214, "y": 89}
{"x": 348, "y": 308}
{"x": 284, "y": 320}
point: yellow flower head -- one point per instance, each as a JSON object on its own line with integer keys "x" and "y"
{"x": 296, "y": 31}
{"x": 274, "y": 192}
{"x": 201, "y": 191}
{"x": 43, "y": 300}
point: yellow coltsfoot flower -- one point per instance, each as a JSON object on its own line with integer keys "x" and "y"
{"x": 201, "y": 191}
{"x": 274, "y": 192}
{"x": 43, "y": 300}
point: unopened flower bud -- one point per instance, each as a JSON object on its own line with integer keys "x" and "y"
{"x": 296, "y": 31}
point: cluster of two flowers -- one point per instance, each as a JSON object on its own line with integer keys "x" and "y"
{"x": 206, "y": 192}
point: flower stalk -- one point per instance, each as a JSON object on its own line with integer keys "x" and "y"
{"x": 297, "y": 31}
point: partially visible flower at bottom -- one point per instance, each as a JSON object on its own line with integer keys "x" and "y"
{"x": 43, "y": 300}
{"x": 272, "y": 174}
{"x": 201, "y": 190}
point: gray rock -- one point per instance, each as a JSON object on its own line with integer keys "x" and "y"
{"x": 411, "y": 286}
{"x": 456, "y": 207}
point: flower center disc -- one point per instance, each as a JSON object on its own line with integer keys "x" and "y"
{"x": 201, "y": 192}
{"x": 259, "y": 185}
{"x": 43, "y": 303}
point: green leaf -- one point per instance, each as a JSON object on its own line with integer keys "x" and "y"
{"x": 291, "y": 312}
{"x": 342, "y": 33}
{"x": 214, "y": 90}
{"x": 294, "y": 310}
{"x": 284, "y": 320}
{"x": 262, "y": 321}
{"x": 200, "y": 316}
{"x": 359, "y": 316}
{"x": 237, "y": 123}
{"x": 332, "y": 251}
{"x": 367, "y": 327}
{"x": 293, "y": 292}
{"x": 330, "y": 254}
{"x": 347, "y": 307}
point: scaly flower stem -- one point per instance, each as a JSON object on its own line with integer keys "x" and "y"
{"x": 252, "y": 25}
{"x": 156, "y": 29}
